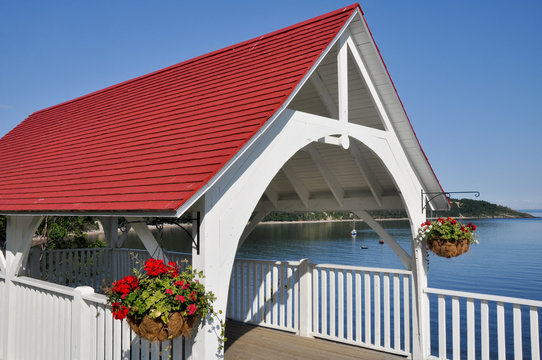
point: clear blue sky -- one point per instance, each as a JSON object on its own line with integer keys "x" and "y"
{"x": 468, "y": 72}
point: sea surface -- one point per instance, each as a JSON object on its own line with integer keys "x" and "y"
{"x": 506, "y": 262}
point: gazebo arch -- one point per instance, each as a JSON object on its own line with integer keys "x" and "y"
{"x": 320, "y": 82}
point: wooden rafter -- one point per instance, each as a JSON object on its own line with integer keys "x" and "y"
{"x": 329, "y": 177}
{"x": 399, "y": 251}
{"x": 147, "y": 238}
{"x": 299, "y": 187}
{"x": 364, "y": 74}
{"x": 367, "y": 173}
{"x": 324, "y": 95}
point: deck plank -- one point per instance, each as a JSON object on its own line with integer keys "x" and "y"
{"x": 248, "y": 342}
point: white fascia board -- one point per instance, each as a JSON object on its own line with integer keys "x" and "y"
{"x": 250, "y": 143}
{"x": 92, "y": 213}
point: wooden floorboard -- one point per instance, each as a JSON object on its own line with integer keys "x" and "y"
{"x": 248, "y": 342}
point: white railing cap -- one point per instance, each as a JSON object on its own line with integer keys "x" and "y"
{"x": 496, "y": 298}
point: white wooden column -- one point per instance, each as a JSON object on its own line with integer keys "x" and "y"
{"x": 420, "y": 300}
{"x": 110, "y": 226}
{"x": 19, "y": 233}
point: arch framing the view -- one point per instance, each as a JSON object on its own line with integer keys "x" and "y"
{"x": 225, "y": 215}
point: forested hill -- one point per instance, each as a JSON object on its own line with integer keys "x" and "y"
{"x": 460, "y": 208}
{"x": 481, "y": 208}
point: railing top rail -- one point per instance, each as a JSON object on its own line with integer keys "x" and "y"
{"x": 78, "y": 249}
{"x": 363, "y": 268}
{"x": 293, "y": 263}
{"x": 95, "y": 298}
{"x": 496, "y": 298}
{"x": 44, "y": 285}
{"x": 145, "y": 251}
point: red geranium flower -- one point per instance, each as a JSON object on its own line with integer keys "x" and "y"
{"x": 192, "y": 308}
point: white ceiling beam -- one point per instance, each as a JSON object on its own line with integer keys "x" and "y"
{"x": 297, "y": 184}
{"x": 147, "y": 238}
{"x": 271, "y": 194}
{"x": 364, "y": 74}
{"x": 324, "y": 95}
{"x": 367, "y": 173}
{"x": 397, "y": 249}
{"x": 342, "y": 72}
{"x": 329, "y": 177}
{"x": 365, "y": 201}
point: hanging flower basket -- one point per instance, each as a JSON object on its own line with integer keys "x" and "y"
{"x": 161, "y": 303}
{"x": 155, "y": 330}
{"x": 448, "y": 249}
{"x": 447, "y": 237}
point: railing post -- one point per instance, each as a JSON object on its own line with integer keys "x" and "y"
{"x": 305, "y": 298}
{"x": 79, "y": 309}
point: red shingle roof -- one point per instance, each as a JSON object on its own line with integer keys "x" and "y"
{"x": 150, "y": 143}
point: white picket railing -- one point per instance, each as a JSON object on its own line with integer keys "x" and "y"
{"x": 96, "y": 267}
{"x": 265, "y": 293}
{"x": 345, "y": 302}
{"x": 363, "y": 306}
{"x": 66, "y": 323}
{"x": 471, "y": 323}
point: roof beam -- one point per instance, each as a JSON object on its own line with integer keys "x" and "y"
{"x": 323, "y": 92}
{"x": 365, "y": 201}
{"x": 364, "y": 74}
{"x": 329, "y": 177}
{"x": 147, "y": 238}
{"x": 367, "y": 173}
{"x": 397, "y": 249}
{"x": 300, "y": 189}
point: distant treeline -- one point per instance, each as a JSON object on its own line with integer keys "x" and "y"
{"x": 460, "y": 208}
{"x": 68, "y": 231}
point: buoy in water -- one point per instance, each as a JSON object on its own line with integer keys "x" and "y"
{"x": 381, "y": 241}
{"x": 364, "y": 247}
{"x": 353, "y": 232}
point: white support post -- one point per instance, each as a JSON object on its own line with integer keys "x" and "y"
{"x": 305, "y": 298}
{"x": 79, "y": 329}
{"x": 19, "y": 233}
{"x": 420, "y": 299}
{"x": 397, "y": 249}
{"x": 342, "y": 71}
{"x": 110, "y": 226}
{"x": 147, "y": 238}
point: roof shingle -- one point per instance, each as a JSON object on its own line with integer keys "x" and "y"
{"x": 150, "y": 143}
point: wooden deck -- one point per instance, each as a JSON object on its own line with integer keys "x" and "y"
{"x": 247, "y": 342}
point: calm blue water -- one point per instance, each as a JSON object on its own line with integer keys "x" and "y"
{"x": 507, "y": 262}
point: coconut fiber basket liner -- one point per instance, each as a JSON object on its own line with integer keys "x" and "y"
{"x": 446, "y": 248}
{"x": 155, "y": 330}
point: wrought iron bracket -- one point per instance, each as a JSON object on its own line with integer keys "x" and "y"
{"x": 159, "y": 222}
{"x": 445, "y": 193}
{"x": 196, "y": 240}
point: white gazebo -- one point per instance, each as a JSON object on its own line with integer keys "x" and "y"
{"x": 303, "y": 119}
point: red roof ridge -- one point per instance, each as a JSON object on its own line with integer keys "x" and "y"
{"x": 210, "y": 54}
